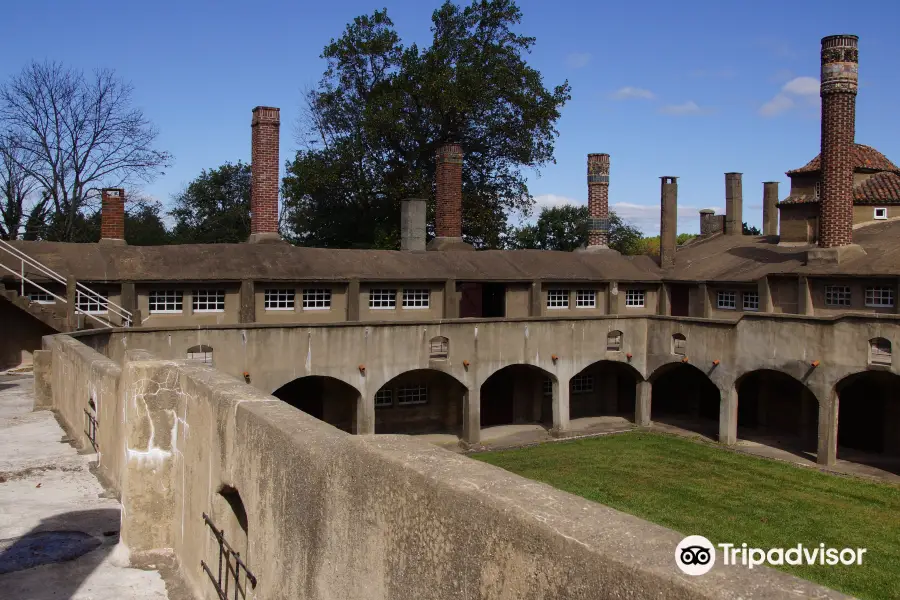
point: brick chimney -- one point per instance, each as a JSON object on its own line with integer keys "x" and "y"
{"x": 412, "y": 224}
{"x": 598, "y": 200}
{"x": 264, "y": 174}
{"x": 112, "y": 216}
{"x": 840, "y": 63}
{"x": 448, "y": 201}
{"x": 734, "y": 204}
{"x": 770, "y": 208}
{"x": 668, "y": 221}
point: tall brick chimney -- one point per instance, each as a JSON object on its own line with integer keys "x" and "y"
{"x": 264, "y": 174}
{"x": 840, "y": 63}
{"x": 448, "y": 201}
{"x": 770, "y": 208}
{"x": 112, "y": 216}
{"x": 598, "y": 200}
{"x": 734, "y": 204}
{"x": 668, "y": 221}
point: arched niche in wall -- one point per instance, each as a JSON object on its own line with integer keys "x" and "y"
{"x": 880, "y": 351}
{"x": 439, "y": 348}
{"x": 614, "y": 341}
{"x": 679, "y": 344}
{"x": 201, "y": 353}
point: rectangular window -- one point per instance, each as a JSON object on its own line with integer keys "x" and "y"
{"x": 279, "y": 299}
{"x": 751, "y": 300}
{"x": 586, "y": 299}
{"x": 208, "y": 301}
{"x": 316, "y": 299}
{"x": 726, "y": 300}
{"x": 382, "y": 299}
{"x": 412, "y": 394}
{"x": 879, "y": 297}
{"x": 634, "y": 298}
{"x": 384, "y": 397}
{"x": 548, "y": 386}
{"x": 41, "y": 297}
{"x": 837, "y": 295}
{"x": 415, "y": 298}
{"x": 582, "y": 384}
{"x": 165, "y": 301}
{"x": 881, "y": 213}
{"x": 557, "y": 298}
{"x": 95, "y": 304}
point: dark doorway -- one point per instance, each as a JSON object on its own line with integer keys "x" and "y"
{"x": 517, "y": 394}
{"x": 324, "y": 398}
{"x": 493, "y": 300}
{"x": 605, "y": 388}
{"x": 683, "y": 396}
{"x": 777, "y": 410}
{"x": 420, "y": 401}
{"x": 470, "y": 299}
{"x": 869, "y": 413}
{"x": 681, "y": 302}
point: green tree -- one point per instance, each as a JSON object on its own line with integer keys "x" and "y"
{"x": 381, "y": 109}
{"x": 215, "y": 207}
{"x": 143, "y": 226}
{"x": 566, "y": 228}
{"x": 747, "y": 230}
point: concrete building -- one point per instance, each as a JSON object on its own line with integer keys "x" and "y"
{"x": 744, "y": 336}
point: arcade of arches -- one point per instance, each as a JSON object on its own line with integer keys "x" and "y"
{"x": 773, "y": 408}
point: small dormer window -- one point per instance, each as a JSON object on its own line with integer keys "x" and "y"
{"x": 881, "y": 214}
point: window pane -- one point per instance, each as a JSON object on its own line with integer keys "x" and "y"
{"x": 415, "y": 298}
{"x": 316, "y": 299}
{"x": 382, "y": 298}
{"x": 412, "y": 394}
{"x": 586, "y": 299}
{"x": 837, "y": 295}
{"x": 92, "y": 304}
{"x": 279, "y": 299}
{"x": 557, "y": 298}
{"x": 634, "y": 298}
{"x": 208, "y": 300}
{"x": 582, "y": 384}
{"x": 751, "y": 300}
{"x": 879, "y": 296}
{"x": 726, "y": 300}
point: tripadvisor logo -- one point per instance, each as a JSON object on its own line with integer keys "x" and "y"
{"x": 696, "y": 555}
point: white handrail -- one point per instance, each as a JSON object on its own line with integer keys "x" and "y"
{"x": 80, "y": 289}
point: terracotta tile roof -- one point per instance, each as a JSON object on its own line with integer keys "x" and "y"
{"x": 881, "y": 188}
{"x": 798, "y": 199}
{"x": 864, "y": 157}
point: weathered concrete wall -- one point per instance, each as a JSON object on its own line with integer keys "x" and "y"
{"x": 793, "y": 223}
{"x": 337, "y": 312}
{"x": 331, "y": 515}
{"x": 187, "y": 316}
{"x": 20, "y": 335}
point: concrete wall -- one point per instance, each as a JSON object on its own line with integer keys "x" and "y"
{"x": 857, "y": 295}
{"x": 335, "y": 314}
{"x": 784, "y": 294}
{"x": 865, "y": 213}
{"x": 187, "y": 315}
{"x": 20, "y": 335}
{"x": 435, "y": 308}
{"x": 739, "y": 289}
{"x": 518, "y": 297}
{"x": 793, "y": 224}
{"x": 329, "y": 515}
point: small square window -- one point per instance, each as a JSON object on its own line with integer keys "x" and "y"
{"x": 165, "y": 301}
{"x": 881, "y": 213}
{"x": 412, "y": 394}
{"x": 41, "y": 297}
{"x": 634, "y": 298}
{"x": 279, "y": 299}
{"x": 382, "y": 299}
{"x": 557, "y": 298}
{"x": 837, "y": 295}
{"x": 582, "y": 384}
{"x": 586, "y": 299}
{"x": 726, "y": 300}
{"x": 879, "y": 297}
{"x": 384, "y": 397}
{"x": 92, "y": 304}
{"x": 208, "y": 301}
{"x": 415, "y": 298}
{"x": 751, "y": 300}
{"x": 316, "y": 299}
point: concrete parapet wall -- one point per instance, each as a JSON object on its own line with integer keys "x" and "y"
{"x": 330, "y": 515}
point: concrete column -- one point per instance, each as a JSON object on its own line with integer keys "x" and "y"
{"x": 128, "y": 298}
{"x": 535, "y": 302}
{"x": 642, "y": 398}
{"x": 826, "y": 448}
{"x": 770, "y": 208}
{"x": 412, "y": 224}
{"x": 664, "y": 305}
{"x": 560, "y": 406}
{"x": 734, "y": 204}
{"x": 472, "y": 416}
{"x": 612, "y": 298}
{"x": 668, "y": 221}
{"x": 71, "y": 296}
{"x": 804, "y": 297}
{"x": 728, "y": 416}
{"x": 705, "y": 309}
{"x": 451, "y": 300}
{"x": 765, "y": 296}
{"x": 248, "y": 302}
{"x": 365, "y": 415}
{"x": 353, "y": 300}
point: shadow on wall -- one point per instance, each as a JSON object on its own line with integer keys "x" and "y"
{"x": 21, "y": 335}
{"x": 228, "y": 571}
{"x": 70, "y": 546}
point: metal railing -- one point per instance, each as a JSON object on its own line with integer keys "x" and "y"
{"x": 81, "y": 290}
{"x": 231, "y": 573}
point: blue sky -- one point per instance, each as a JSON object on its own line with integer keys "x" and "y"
{"x": 690, "y": 88}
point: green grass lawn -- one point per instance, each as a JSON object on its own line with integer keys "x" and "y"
{"x": 696, "y": 488}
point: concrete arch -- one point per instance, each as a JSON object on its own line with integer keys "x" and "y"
{"x": 326, "y": 398}
{"x": 868, "y": 418}
{"x": 517, "y": 393}
{"x": 685, "y": 398}
{"x": 375, "y": 381}
{"x": 420, "y": 401}
{"x": 604, "y": 388}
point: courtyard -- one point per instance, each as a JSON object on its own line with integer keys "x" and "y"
{"x": 729, "y": 497}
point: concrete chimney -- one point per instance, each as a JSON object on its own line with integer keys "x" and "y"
{"x": 112, "y": 216}
{"x": 265, "y": 127}
{"x": 770, "y": 208}
{"x": 710, "y": 222}
{"x": 448, "y": 206}
{"x": 734, "y": 204}
{"x": 668, "y": 221}
{"x": 412, "y": 224}
{"x": 840, "y": 64}
{"x": 598, "y": 200}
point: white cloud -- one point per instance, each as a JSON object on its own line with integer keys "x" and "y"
{"x": 552, "y": 201}
{"x": 688, "y": 108}
{"x": 578, "y": 60}
{"x": 631, "y": 93}
{"x": 799, "y": 91}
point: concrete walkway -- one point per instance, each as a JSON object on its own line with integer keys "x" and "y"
{"x": 59, "y": 530}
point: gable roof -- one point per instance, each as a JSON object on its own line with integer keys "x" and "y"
{"x": 863, "y": 158}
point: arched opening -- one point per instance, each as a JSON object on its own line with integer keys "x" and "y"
{"x": 201, "y": 353}
{"x": 679, "y": 344}
{"x": 869, "y": 419}
{"x": 605, "y": 388}
{"x": 775, "y": 409}
{"x": 517, "y": 394}
{"x": 683, "y": 397}
{"x": 231, "y": 532}
{"x": 420, "y": 401}
{"x": 614, "y": 341}
{"x": 325, "y": 398}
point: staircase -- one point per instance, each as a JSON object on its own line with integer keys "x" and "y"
{"x": 43, "y": 313}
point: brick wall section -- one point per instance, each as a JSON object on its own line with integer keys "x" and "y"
{"x": 112, "y": 222}
{"x": 598, "y": 199}
{"x": 838, "y": 91}
{"x": 770, "y": 208}
{"x": 448, "y": 212}
{"x": 668, "y": 221}
{"x": 264, "y": 177}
